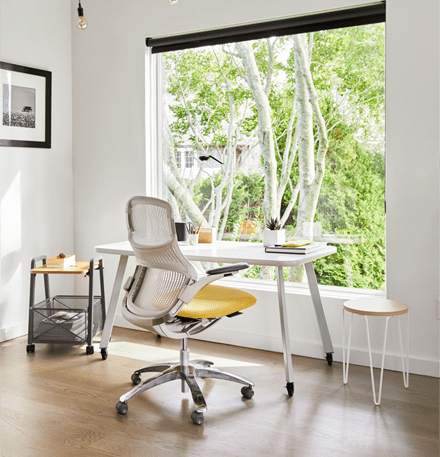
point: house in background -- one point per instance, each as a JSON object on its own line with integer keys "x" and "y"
{"x": 187, "y": 155}
{"x": 72, "y": 197}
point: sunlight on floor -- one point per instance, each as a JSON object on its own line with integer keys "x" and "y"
{"x": 154, "y": 354}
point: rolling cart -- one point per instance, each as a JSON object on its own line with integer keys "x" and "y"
{"x": 65, "y": 319}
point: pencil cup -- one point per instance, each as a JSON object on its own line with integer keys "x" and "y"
{"x": 193, "y": 239}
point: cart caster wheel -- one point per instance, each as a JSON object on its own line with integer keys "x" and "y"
{"x": 136, "y": 378}
{"x": 247, "y": 391}
{"x": 30, "y": 348}
{"x": 329, "y": 358}
{"x": 122, "y": 407}
{"x": 197, "y": 417}
{"x": 90, "y": 350}
{"x": 290, "y": 388}
{"x": 104, "y": 353}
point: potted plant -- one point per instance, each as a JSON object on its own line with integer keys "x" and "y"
{"x": 273, "y": 233}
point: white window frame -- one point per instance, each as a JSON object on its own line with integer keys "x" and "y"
{"x": 153, "y": 124}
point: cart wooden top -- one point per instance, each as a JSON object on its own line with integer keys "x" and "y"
{"x": 56, "y": 266}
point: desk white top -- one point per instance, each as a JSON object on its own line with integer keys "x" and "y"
{"x": 229, "y": 252}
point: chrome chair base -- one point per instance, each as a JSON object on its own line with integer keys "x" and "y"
{"x": 187, "y": 372}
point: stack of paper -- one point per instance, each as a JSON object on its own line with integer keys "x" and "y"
{"x": 67, "y": 326}
{"x": 292, "y": 249}
{"x": 61, "y": 262}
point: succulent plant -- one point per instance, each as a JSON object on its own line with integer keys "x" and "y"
{"x": 273, "y": 224}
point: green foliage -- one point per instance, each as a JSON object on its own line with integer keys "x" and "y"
{"x": 247, "y": 197}
{"x": 194, "y": 79}
{"x": 351, "y": 205}
{"x": 348, "y": 68}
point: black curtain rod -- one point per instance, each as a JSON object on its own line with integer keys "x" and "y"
{"x": 303, "y": 24}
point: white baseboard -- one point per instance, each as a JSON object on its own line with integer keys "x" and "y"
{"x": 358, "y": 356}
{"x": 14, "y": 331}
{"x": 303, "y": 348}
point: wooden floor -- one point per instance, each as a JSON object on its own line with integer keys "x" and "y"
{"x": 61, "y": 402}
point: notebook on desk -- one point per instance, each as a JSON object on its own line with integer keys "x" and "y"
{"x": 306, "y": 249}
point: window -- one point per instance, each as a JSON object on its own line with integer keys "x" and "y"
{"x": 189, "y": 159}
{"x": 178, "y": 156}
{"x": 298, "y": 124}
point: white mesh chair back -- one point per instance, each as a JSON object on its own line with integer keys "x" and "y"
{"x": 152, "y": 235}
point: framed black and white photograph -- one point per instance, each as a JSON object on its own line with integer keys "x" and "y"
{"x": 25, "y": 94}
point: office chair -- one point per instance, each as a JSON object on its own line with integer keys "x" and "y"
{"x": 165, "y": 297}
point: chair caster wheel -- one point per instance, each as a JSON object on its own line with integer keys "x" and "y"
{"x": 122, "y": 407}
{"x": 329, "y": 358}
{"x": 290, "y": 389}
{"x": 136, "y": 378}
{"x": 104, "y": 353}
{"x": 247, "y": 391}
{"x": 30, "y": 348}
{"x": 90, "y": 350}
{"x": 197, "y": 417}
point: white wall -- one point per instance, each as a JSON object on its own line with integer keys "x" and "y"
{"x": 36, "y": 191}
{"x": 412, "y": 119}
{"x": 109, "y": 155}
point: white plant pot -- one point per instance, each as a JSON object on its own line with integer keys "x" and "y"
{"x": 271, "y": 237}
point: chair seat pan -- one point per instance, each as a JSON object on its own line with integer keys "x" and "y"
{"x": 217, "y": 301}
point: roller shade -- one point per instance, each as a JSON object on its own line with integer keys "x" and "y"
{"x": 370, "y": 14}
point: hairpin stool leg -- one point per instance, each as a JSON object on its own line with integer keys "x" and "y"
{"x": 344, "y": 363}
{"x": 377, "y": 402}
{"x": 405, "y": 371}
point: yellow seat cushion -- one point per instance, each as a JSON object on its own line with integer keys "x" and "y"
{"x": 217, "y": 301}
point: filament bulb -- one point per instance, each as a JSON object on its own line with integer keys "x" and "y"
{"x": 81, "y": 23}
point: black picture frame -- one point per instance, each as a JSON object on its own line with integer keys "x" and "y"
{"x": 26, "y": 97}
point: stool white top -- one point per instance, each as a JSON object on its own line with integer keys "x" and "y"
{"x": 375, "y": 307}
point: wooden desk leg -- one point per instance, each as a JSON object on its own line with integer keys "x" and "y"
{"x": 111, "y": 313}
{"x": 285, "y": 331}
{"x": 316, "y": 298}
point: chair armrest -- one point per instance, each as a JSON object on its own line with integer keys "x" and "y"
{"x": 228, "y": 269}
{"x": 191, "y": 290}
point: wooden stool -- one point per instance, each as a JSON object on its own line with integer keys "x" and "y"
{"x": 375, "y": 307}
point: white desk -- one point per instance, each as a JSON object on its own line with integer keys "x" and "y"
{"x": 234, "y": 252}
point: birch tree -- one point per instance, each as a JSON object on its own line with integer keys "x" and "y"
{"x": 299, "y": 137}
{"x": 311, "y": 170}
{"x": 305, "y": 111}
{"x": 283, "y": 108}
{"x": 202, "y": 119}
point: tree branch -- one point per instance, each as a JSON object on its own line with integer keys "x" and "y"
{"x": 291, "y": 204}
{"x": 270, "y": 51}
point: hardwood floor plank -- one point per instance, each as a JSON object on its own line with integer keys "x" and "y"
{"x": 59, "y": 402}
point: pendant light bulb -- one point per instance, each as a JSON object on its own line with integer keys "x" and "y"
{"x": 81, "y": 23}
{"x": 173, "y": 2}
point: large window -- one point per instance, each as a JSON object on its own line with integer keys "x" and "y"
{"x": 298, "y": 124}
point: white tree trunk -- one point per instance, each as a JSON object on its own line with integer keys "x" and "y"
{"x": 270, "y": 205}
{"x": 311, "y": 173}
{"x": 182, "y": 195}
